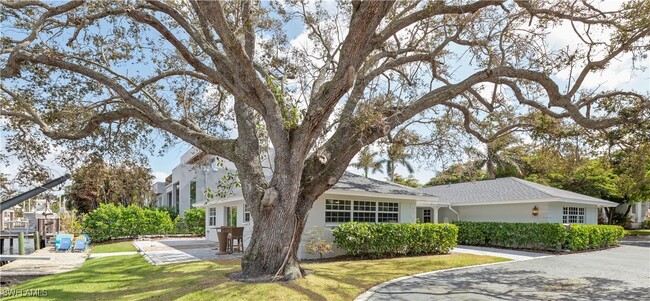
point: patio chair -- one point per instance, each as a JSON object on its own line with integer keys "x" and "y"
{"x": 65, "y": 245}
{"x": 57, "y": 240}
{"x": 237, "y": 236}
{"x": 79, "y": 245}
{"x": 87, "y": 238}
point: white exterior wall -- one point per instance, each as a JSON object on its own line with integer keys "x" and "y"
{"x": 509, "y": 213}
{"x": 549, "y": 212}
{"x": 556, "y": 212}
{"x": 316, "y": 219}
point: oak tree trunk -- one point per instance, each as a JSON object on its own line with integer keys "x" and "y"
{"x": 272, "y": 252}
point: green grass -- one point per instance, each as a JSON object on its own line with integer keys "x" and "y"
{"x": 645, "y": 232}
{"x": 125, "y": 246}
{"x": 133, "y": 278}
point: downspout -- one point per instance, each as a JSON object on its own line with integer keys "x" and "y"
{"x": 454, "y": 211}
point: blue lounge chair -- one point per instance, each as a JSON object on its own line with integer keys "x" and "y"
{"x": 65, "y": 245}
{"x": 87, "y": 238}
{"x": 79, "y": 245}
{"x": 58, "y": 238}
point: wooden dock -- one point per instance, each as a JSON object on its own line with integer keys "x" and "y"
{"x": 59, "y": 262}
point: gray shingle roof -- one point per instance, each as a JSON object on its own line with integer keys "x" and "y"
{"x": 506, "y": 190}
{"x": 353, "y": 182}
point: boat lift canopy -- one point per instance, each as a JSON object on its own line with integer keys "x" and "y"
{"x": 34, "y": 192}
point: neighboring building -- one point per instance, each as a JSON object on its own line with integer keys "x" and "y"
{"x": 353, "y": 198}
{"x": 639, "y": 212}
{"x": 515, "y": 200}
{"x": 189, "y": 180}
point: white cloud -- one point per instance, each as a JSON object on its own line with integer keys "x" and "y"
{"x": 159, "y": 176}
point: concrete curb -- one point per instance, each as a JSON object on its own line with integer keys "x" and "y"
{"x": 371, "y": 291}
{"x": 113, "y": 254}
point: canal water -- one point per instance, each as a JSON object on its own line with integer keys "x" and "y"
{"x": 29, "y": 246}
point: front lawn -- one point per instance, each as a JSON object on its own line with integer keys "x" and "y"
{"x": 133, "y": 278}
{"x": 125, "y": 246}
{"x": 645, "y": 232}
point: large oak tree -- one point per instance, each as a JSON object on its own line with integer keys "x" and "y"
{"x": 92, "y": 74}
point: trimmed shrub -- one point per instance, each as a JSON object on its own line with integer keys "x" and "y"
{"x": 389, "y": 240}
{"x": 109, "y": 221}
{"x": 195, "y": 221}
{"x": 584, "y": 237}
{"x": 534, "y": 236}
{"x": 538, "y": 236}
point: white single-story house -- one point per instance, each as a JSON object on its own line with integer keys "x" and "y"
{"x": 356, "y": 198}
{"x": 353, "y": 198}
{"x": 515, "y": 200}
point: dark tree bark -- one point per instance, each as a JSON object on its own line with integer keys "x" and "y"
{"x": 213, "y": 43}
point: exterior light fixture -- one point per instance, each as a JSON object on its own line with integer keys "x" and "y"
{"x": 535, "y": 211}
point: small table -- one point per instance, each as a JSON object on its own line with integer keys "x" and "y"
{"x": 223, "y": 234}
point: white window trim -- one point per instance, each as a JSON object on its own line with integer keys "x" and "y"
{"x": 579, "y": 212}
{"x": 212, "y": 218}
{"x": 351, "y": 211}
{"x": 247, "y": 214}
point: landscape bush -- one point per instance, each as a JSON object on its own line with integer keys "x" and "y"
{"x": 389, "y": 240}
{"x": 195, "y": 221}
{"x": 584, "y": 237}
{"x": 538, "y": 236}
{"x": 110, "y": 221}
{"x": 534, "y": 236}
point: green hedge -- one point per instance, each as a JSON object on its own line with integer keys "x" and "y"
{"x": 110, "y": 221}
{"x": 538, "y": 236}
{"x": 388, "y": 240}
{"x": 534, "y": 236}
{"x": 195, "y": 221}
{"x": 584, "y": 237}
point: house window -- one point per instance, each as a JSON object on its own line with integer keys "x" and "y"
{"x": 247, "y": 214}
{"x": 573, "y": 215}
{"x": 337, "y": 211}
{"x": 212, "y": 217}
{"x": 231, "y": 216}
{"x": 341, "y": 211}
{"x": 426, "y": 215}
{"x": 364, "y": 212}
{"x": 192, "y": 192}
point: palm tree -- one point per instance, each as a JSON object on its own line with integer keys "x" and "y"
{"x": 367, "y": 162}
{"x": 397, "y": 155}
{"x": 498, "y": 154}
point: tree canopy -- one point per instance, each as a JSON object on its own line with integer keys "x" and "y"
{"x": 97, "y": 182}
{"x": 228, "y": 78}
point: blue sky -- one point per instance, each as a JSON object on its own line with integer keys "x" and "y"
{"x": 618, "y": 75}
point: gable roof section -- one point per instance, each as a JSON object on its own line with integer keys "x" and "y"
{"x": 505, "y": 191}
{"x": 351, "y": 184}
{"x": 357, "y": 183}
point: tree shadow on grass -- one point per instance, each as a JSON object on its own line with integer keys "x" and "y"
{"x": 128, "y": 277}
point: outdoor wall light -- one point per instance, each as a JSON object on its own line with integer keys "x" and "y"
{"x": 535, "y": 211}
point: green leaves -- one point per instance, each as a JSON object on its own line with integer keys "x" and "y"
{"x": 532, "y": 236}
{"x": 195, "y": 220}
{"x": 583, "y": 237}
{"x": 538, "y": 236}
{"x": 109, "y": 222}
{"x": 390, "y": 240}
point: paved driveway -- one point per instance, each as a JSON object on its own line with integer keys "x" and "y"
{"x": 621, "y": 273}
{"x": 180, "y": 250}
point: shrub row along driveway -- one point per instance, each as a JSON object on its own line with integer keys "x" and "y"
{"x": 615, "y": 274}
